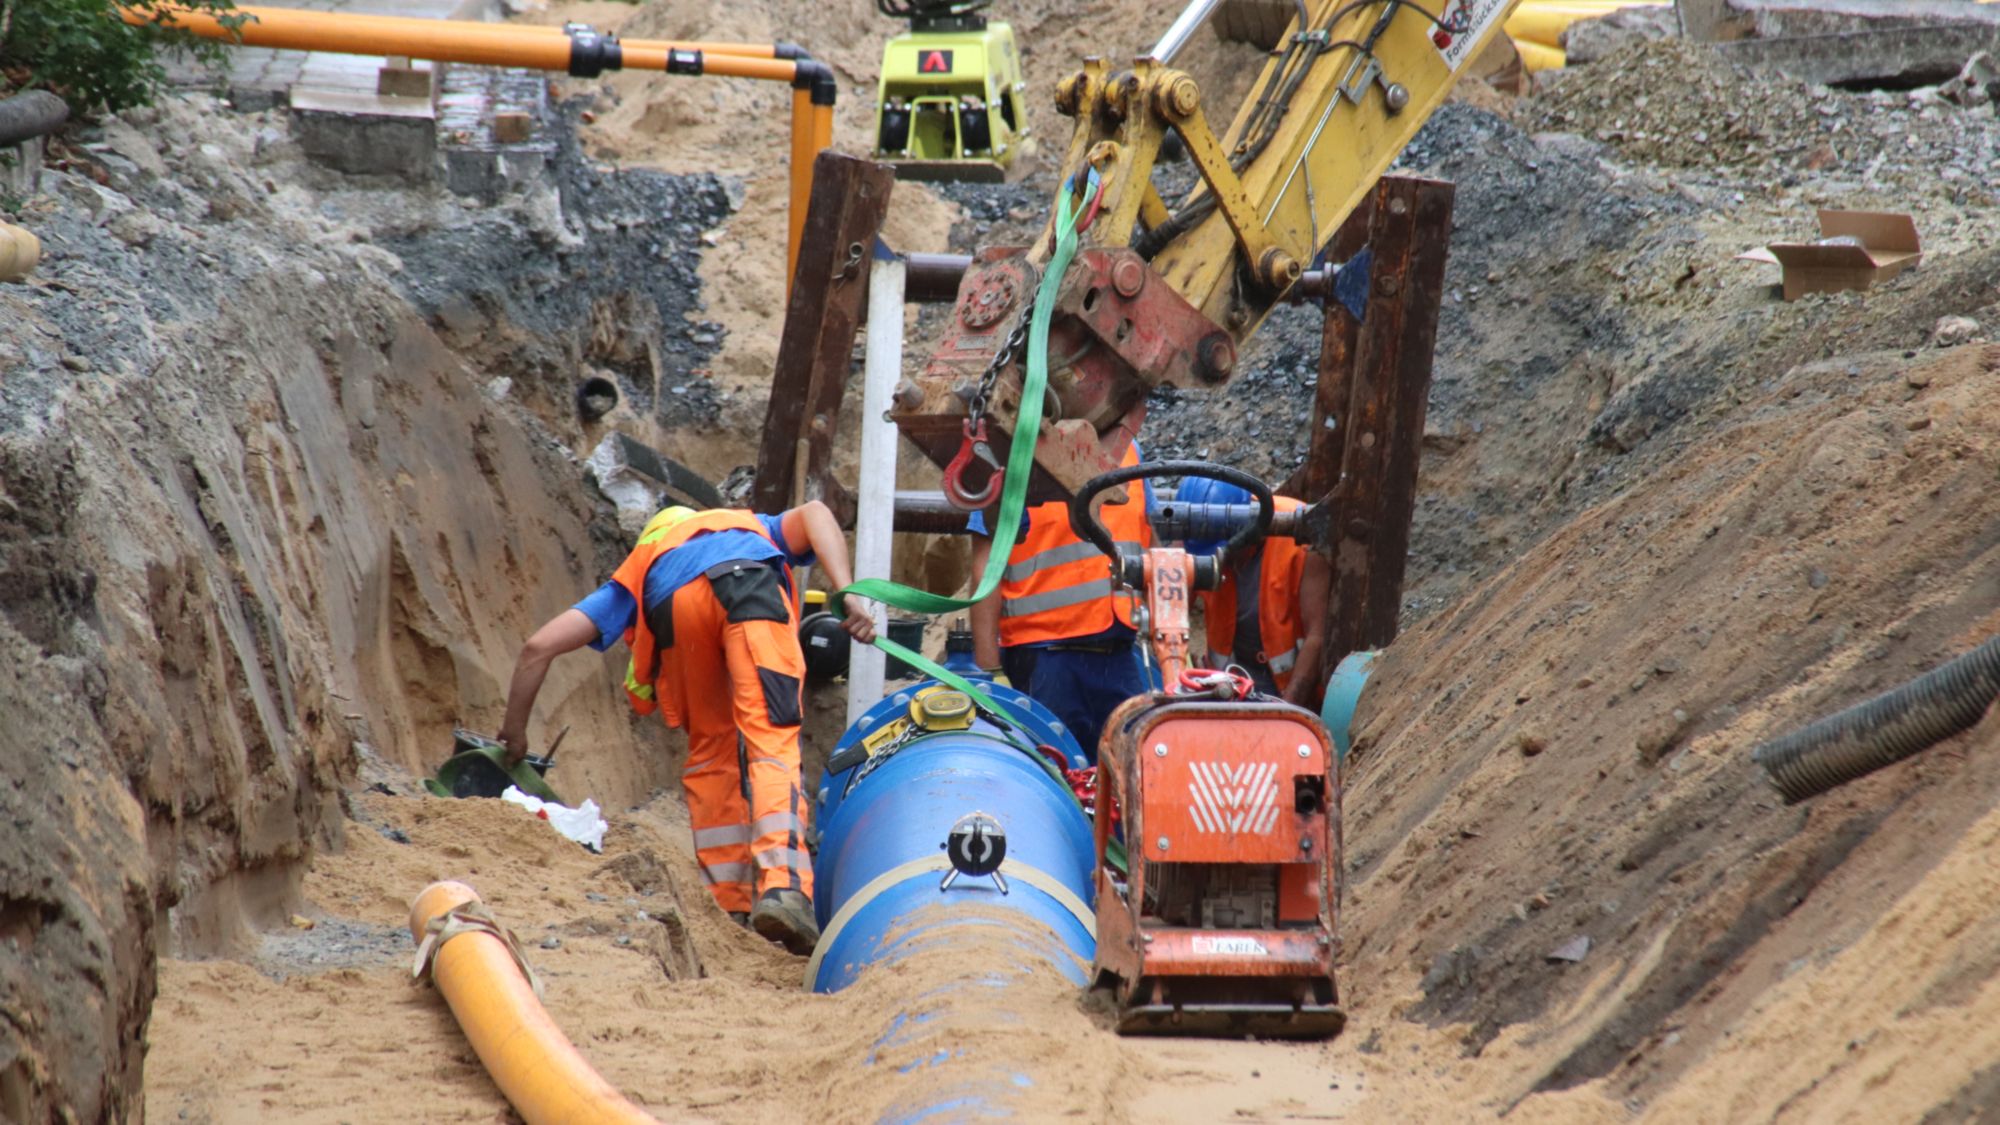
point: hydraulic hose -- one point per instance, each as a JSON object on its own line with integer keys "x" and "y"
{"x": 529, "y": 1057}
{"x": 1886, "y": 729}
{"x": 26, "y": 116}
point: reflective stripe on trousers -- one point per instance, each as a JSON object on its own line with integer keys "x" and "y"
{"x": 747, "y": 833}
{"x": 713, "y": 873}
{"x": 721, "y": 837}
{"x": 791, "y": 858}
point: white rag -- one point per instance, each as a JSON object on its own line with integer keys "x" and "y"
{"x": 582, "y": 824}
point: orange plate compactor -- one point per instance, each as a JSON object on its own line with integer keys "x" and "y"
{"x": 1224, "y": 920}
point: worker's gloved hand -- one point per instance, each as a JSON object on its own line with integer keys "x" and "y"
{"x": 998, "y": 676}
{"x": 516, "y": 744}
{"x": 860, "y": 620}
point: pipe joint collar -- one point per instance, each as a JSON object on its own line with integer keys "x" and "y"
{"x": 591, "y": 53}
{"x": 816, "y": 76}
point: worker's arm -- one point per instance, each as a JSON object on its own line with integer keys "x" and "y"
{"x": 985, "y": 612}
{"x": 1315, "y": 586}
{"x": 566, "y": 632}
{"x": 811, "y": 525}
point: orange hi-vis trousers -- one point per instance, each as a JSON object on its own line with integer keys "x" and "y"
{"x": 739, "y": 674}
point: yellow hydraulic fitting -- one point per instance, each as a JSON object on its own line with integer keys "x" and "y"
{"x": 1277, "y": 268}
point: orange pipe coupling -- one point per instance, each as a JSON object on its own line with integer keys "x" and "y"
{"x": 543, "y": 1076}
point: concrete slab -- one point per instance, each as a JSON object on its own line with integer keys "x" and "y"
{"x": 365, "y": 133}
{"x": 1889, "y": 57}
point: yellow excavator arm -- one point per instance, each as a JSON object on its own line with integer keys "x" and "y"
{"x": 1164, "y": 293}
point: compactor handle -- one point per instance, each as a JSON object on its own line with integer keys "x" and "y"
{"x": 1084, "y": 521}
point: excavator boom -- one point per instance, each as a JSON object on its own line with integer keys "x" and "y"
{"x": 1167, "y": 294}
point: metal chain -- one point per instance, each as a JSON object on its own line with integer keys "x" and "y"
{"x": 1009, "y": 348}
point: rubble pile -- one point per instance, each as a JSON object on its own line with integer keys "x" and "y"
{"x": 1676, "y": 104}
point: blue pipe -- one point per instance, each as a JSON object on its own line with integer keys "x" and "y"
{"x": 883, "y": 823}
{"x": 879, "y": 873}
{"x": 1343, "y": 694}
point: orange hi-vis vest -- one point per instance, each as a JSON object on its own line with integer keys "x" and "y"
{"x": 1281, "y": 570}
{"x": 1057, "y": 586}
{"x": 644, "y": 672}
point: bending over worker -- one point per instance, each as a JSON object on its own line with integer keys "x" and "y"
{"x": 1267, "y": 613}
{"x": 717, "y": 651}
{"x": 1057, "y": 627}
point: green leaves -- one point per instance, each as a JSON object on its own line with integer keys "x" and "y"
{"x": 87, "y": 52}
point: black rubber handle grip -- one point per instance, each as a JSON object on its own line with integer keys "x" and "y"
{"x": 1084, "y": 523}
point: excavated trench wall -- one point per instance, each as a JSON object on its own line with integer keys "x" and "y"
{"x": 259, "y": 525}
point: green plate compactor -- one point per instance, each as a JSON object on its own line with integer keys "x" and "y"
{"x": 949, "y": 106}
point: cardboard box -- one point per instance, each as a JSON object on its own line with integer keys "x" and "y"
{"x": 1855, "y": 250}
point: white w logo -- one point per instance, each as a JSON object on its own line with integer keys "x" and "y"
{"x": 1242, "y": 798}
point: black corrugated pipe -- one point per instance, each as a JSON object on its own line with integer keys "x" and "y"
{"x": 26, "y": 116}
{"x": 1886, "y": 729}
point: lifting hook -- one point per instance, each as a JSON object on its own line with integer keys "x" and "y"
{"x": 973, "y": 448}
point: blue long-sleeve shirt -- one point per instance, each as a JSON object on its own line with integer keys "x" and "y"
{"x": 610, "y": 607}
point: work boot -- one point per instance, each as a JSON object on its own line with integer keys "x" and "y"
{"x": 786, "y": 918}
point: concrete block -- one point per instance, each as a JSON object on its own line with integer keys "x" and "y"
{"x": 488, "y": 173}
{"x": 366, "y": 134}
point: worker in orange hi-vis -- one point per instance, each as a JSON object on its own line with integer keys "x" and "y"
{"x": 1267, "y": 614}
{"x": 716, "y": 651}
{"x": 1057, "y": 627}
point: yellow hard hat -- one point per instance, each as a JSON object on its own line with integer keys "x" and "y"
{"x": 662, "y": 522}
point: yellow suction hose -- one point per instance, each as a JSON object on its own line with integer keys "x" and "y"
{"x": 543, "y": 1076}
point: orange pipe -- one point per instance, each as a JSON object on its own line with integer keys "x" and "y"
{"x": 290, "y": 23}
{"x": 803, "y": 153}
{"x": 436, "y": 40}
{"x": 706, "y": 46}
{"x": 530, "y": 1059}
{"x": 20, "y": 250}
{"x": 723, "y": 66}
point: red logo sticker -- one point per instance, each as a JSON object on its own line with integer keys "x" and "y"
{"x": 934, "y": 62}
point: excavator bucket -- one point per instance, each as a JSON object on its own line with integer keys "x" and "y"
{"x": 1260, "y": 23}
{"x": 949, "y": 106}
{"x": 1223, "y": 922}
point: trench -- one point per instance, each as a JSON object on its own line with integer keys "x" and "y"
{"x": 289, "y": 465}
